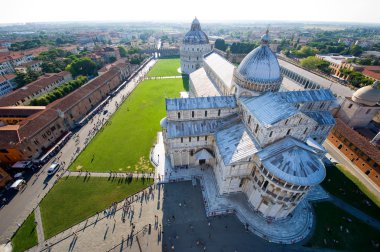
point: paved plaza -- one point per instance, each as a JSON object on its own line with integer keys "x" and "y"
{"x": 169, "y": 217}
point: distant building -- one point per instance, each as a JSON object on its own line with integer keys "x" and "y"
{"x": 339, "y": 62}
{"x": 34, "y": 65}
{"x": 26, "y": 132}
{"x": 195, "y": 44}
{"x": 41, "y": 86}
{"x": 7, "y": 83}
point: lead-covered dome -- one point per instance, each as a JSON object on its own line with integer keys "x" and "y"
{"x": 261, "y": 65}
{"x": 369, "y": 95}
{"x": 195, "y": 35}
{"x": 259, "y": 71}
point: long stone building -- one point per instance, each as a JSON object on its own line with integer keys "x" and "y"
{"x": 257, "y": 140}
{"x": 26, "y": 132}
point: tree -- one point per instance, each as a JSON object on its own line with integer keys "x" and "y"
{"x": 313, "y": 63}
{"x": 220, "y": 44}
{"x": 122, "y": 51}
{"x": 25, "y": 78}
{"x": 305, "y": 51}
{"x": 83, "y": 66}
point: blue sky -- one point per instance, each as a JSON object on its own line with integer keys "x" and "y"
{"x": 180, "y": 10}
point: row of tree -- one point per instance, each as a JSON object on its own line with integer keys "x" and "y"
{"x": 59, "y": 92}
{"x": 313, "y": 63}
{"x": 24, "y": 45}
{"x": 356, "y": 79}
{"x": 236, "y": 47}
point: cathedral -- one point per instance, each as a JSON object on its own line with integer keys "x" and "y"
{"x": 258, "y": 140}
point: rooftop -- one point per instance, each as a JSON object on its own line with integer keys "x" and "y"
{"x": 293, "y": 161}
{"x": 31, "y": 88}
{"x": 235, "y": 144}
{"x": 269, "y": 108}
{"x": 321, "y": 117}
{"x": 221, "y": 67}
{"x": 202, "y": 83}
{"x": 212, "y": 102}
{"x": 310, "y": 95}
{"x": 358, "y": 140}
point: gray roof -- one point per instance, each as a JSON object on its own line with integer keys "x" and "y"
{"x": 293, "y": 161}
{"x": 198, "y": 127}
{"x": 269, "y": 108}
{"x": 202, "y": 84}
{"x": 221, "y": 67}
{"x": 321, "y": 117}
{"x": 212, "y": 102}
{"x": 260, "y": 66}
{"x": 310, "y": 95}
{"x": 336, "y": 88}
{"x": 235, "y": 143}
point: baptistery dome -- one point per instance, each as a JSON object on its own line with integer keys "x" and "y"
{"x": 195, "y": 35}
{"x": 259, "y": 71}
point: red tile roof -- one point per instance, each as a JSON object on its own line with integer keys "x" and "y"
{"x": 372, "y": 71}
{"x": 358, "y": 140}
{"x": 75, "y": 97}
{"x": 31, "y": 88}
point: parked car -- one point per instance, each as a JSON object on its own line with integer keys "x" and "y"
{"x": 53, "y": 168}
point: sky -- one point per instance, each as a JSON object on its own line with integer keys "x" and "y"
{"x": 20, "y": 11}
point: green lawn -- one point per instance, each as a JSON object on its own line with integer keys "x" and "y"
{"x": 124, "y": 145}
{"x": 165, "y": 67}
{"x": 345, "y": 186}
{"x": 74, "y": 199}
{"x": 26, "y": 235}
{"x": 354, "y": 236}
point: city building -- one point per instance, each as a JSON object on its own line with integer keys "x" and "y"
{"x": 338, "y": 62}
{"x": 27, "y": 132}
{"x": 4, "y": 178}
{"x": 7, "y": 83}
{"x": 34, "y": 65}
{"x": 257, "y": 140}
{"x": 41, "y": 86}
{"x": 195, "y": 44}
{"x": 357, "y": 111}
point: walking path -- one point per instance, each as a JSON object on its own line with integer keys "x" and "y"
{"x": 163, "y": 77}
{"x": 112, "y": 226}
{"x": 108, "y": 174}
{"x": 290, "y": 230}
{"x": 40, "y": 229}
{"x": 355, "y": 212}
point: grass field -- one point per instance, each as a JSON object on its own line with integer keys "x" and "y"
{"x": 74, "y": 199}
{"x": 124, "y": 145}
{"x": 353, "y": 236}
{"x": 165, "y": 67}
{"x": 26, "y": 235}
{"x": 347, "y": 187}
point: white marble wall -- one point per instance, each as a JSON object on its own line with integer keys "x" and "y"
{"x": 192, "y": 56}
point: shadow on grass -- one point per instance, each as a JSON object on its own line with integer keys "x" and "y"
{"x": 185, "y": 81}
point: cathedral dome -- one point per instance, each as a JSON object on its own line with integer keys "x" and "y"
{"x": 195, "y": 36}
{"x": 261, "y": 65}
{"x": 369, "y": 95}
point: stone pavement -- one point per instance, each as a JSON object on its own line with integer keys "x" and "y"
{"x": 108, "y": 174}
{"x": 290, "y": 230}
{"x": 40, "y": 229}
